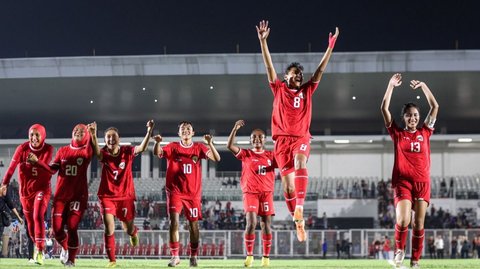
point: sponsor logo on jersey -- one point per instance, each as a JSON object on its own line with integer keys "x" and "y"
{"x": 122, "y": 165}
{"x": 79, "y": 161}
{"x": 420, "y": 138}
{"x": 254, "y": 160}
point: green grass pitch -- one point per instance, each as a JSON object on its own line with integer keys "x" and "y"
{"x": 236, "y": 263}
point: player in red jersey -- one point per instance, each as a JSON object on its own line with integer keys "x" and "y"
{"x": 116, "y": 191}
{"x": 34, "y": 184}
{"x": 71, "y": 195}
{"x": 258, "y": 184}
{"x": 291, "y": 118}
{"x": 411, "y": 170}
{"x": 184, "y": 184}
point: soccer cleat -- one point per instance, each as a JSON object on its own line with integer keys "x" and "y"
{"x": 414, "y": 264}
{"x": 31, "y": 260}
{"x": 265, "y": 261}
{"x": 398, "y": 259}
{"x": 174, "y": 261}
{"x": 134, "y": 240}
{"x": 193, "y": 261}
{"x": 248, "y": 261}
{"x": 111, "y": 265}
{"x": 64, "y": 256}
{"x": 39, "y": 259}
{"x": 69, "y": 264}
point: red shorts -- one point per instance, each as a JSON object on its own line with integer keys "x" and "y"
{"x": 260, "y": 203}
{"x": 124, "y": 210}
{"x": 286, "y": 147}
{"x": 412, "y": 191}
{"x": 193, "y": 207}
{"x": 68, "y": 208}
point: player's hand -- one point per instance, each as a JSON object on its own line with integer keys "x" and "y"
{"x": 415, "y": 84}
{"x": 239, "y": 124}
{"x": 150, "y": 124}
{"x": 20, "y": 220}
{"x": 32, "y": 158}
{"x": 333, "y": 38}
{"x": 396, "y": 80}
{"x": 3, "y": 190}
{"x": 92, "y": 128}
{"x": 263, "y": 30}
{"x": 158, "y": 138}
{"x": 208, "y": 139}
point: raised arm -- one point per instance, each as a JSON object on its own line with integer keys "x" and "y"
{"x": 263, "y": 31}
{"x": 395, "y": 81}
{"x": 157, "y": 149}
{"x": 92, "y": 128}
{"x": 213, "y": 154}
{"x": 231, "y": 139}
{"x": 432, "y": 114}
{"x": 317, "y": 75}
{"x": 143, "y": 146}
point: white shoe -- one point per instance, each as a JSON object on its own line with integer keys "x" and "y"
{"x": 31, "y": 260}
{"x": 64, "y": 256}
{"x": 69, "y": 264}
{"x": 398, "y": 259}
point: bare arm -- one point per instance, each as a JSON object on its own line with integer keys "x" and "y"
{"x": 213, "y": 154}
{"x": 395, "y": 81}
{"x": 263, "y": 31}
{"x": 432, "y": 114}
{"x": 15, "y": 211}
{"x": 143, "y": 146}
{"x": 92, "y": 128}
{"x": 157, "y": 149}
{"x": 317, "y": 75}
{"x": 231, "y": 139}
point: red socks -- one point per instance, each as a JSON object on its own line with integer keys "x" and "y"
{"x": 267, "y": 244}
{"x": 193, "y": 249}
{"x": 400, "y": 237}
{"x": 110, "y": 246}
{"x": 301, "y": 183}
{"x": 417, "y": 244}
{"x": 291, "y": 201}
{"x": 249, "y": 243}
{"x": 174, "y": 248}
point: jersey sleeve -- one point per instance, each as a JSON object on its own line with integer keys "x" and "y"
{"x": 427, "y": 130}
{"x": 274, "y": 86}
{"x": 393, "y": 130}
{"x": 204, "y": 150}
{"x": 241, "y": 154}
{"x": 166, "y": 151}
{"x": 311, "y": 87}
{"x": 16, "y": 159}
{"x": 58, "y": 158}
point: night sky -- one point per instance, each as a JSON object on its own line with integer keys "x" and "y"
{"x": 78, "y": 27}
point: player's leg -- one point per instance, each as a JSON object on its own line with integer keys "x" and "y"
{"x": 74, "y": 216}
{"x": 266, "y": 211}
{"x": 39, "y": 208}
{"x": 403, "y": 213}
{"x": 174, "y": 207}
{"x": 127, "y": 216}
{"x": 27, "y": 208}
{"x": 193, "y": 214}
{"x": 109, "y": 210}
{"x": 421, "y": 192}
{"x": 58, "y": 210}
{"x": 284, "y": 159}
{"x": 251, "y": 204}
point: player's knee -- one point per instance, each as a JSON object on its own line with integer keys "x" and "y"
{"x": 403, "y": 221}
{"x": 250, "y": 227}
{"x": 289, "y": 188}
{"x": 418, "y": 224}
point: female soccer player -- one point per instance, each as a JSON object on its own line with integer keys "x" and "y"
{"x": 258, "y": 183}
{"x": 411, "y": 170}
{"x": 291, "y": 118}
{"x": 117, "y": 192}
{"x": 34, "y": 184}
{"x": 184, "y": 185}
{"x": 71, "y": 195}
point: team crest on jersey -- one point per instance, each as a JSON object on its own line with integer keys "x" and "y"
{"x": 122, "y": 165}
{"x": 420, "y": 138}
{"x": 195, "y": 159}
{"x": 79, "y": 161}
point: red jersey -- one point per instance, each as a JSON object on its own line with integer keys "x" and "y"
{"x": 117, "y": 178}
{"x": 72, "y": 182}
{"x": 184, "y": 168}
{"x": 258, "y": 171}
{"x": 32, "y": 178}
{"x": 292, "y": 109}
{"x": 412, "y": 153}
